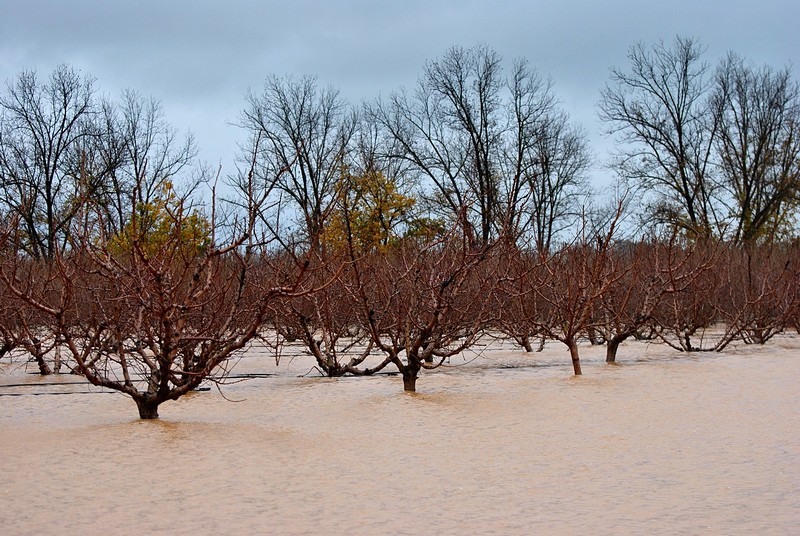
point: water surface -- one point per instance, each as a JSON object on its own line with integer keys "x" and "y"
{"x": 499, "y": 442}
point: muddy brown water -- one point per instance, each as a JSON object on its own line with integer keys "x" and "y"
{"x": 497, "y": 442}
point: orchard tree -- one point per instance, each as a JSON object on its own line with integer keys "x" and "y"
{"x": 24, "y": 327}
{"x": 571, "y": 284}
{"x": 651, "y": 271}
{"x": 757, "y": 292}
{"x": 157, "y": 309}
{"x": 327, "y": 323}
{"x": 519, "y": 309}
{"x": 684, "y": 315}
{"x": 424, "y": 302}
{"x": 627, "y": 306}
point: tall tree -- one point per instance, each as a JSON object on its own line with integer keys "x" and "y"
{"x": 300, "y": 134}
{"x": 759, "y": 146}
{"x": 561, "y": 157}
{"x": 41, "y": 124}
{"x": 659, "y": 108}
{"x": 132, "y": 152}
{"x": 472, "y": 135}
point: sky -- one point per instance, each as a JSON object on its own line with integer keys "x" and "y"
{"x": 200, "y": 57}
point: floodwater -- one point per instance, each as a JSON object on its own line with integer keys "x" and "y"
{"x": 498, "y": 442}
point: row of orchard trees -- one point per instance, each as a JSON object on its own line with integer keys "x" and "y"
{"x": 433, "y": 300}
{"x": 395, "y": 234}
{"x": 153, "y": 319}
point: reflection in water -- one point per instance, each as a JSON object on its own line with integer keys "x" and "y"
{"x": 661, "y": 443}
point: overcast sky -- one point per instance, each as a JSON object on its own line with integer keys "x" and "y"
{"x": 199, "y": 57}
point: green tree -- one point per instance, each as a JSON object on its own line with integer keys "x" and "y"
{"x": 371, "y": 211}
{"x": 165, "y": 221}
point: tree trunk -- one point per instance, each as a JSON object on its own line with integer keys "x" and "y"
{"x": 595, "y": 338}
{"x": 57, "y": 359}
{"x": 44, "y": 368}
{"x": 410, "y": 381}
{"x": 576, "y": 360}
{"x": 148, "y": 409}
{"x": 525, "y": 342}
{"x": 613, "y": 346}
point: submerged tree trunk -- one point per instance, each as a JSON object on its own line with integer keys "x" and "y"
{"x": 44, "y": 368}
{"x": 595, "y": 337}
{"x": 576, "y": 360}
{"x": 410, "y": 380}
{"x": 613, "y": 346}
{"x": 542, "y": 342}
{"x": 148, "y": 408}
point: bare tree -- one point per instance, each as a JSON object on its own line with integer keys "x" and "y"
{"x": 25, "y": 327}
{"x": 627, "y": 305}
{"x": 685, "y": 316}
{"x": 659, "y": 107}
{"x": 135, "y": 150}
{"x": 650, "y": 272}
{"x": 560, "y": 159}
{"x": 519, "y": 309}
{"x": 300, "y": 135}
{"x": 41, "y": 123}
{"x": 418, "y": 301}
{"x": 575, "y": 279}
{"x": 154, "y": 311}
{"x": 759, "y": 146}
{"x": 793, "y": 298}
{"x": 327, "y": 323}
{"x": 483, "y": 142}
{"x": 8, "y": 327}
{"x": 756, "y": 296}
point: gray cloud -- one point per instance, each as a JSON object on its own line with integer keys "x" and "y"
{"x": 199, "y": 57}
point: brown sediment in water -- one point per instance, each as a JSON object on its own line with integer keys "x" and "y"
{"x": 498, "y": 442}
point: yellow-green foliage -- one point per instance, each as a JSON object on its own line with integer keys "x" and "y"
{"x": 425, "y": 229}
{"x": 370, "y": 210}
{"x": 163, "y": 227}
